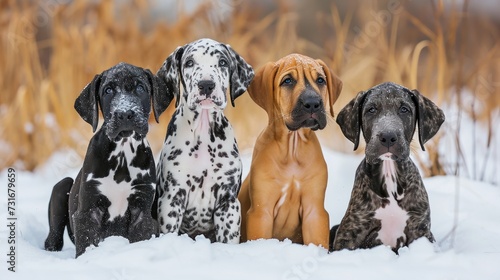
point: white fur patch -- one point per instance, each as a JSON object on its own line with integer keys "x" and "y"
{"x": 393, "y": 218}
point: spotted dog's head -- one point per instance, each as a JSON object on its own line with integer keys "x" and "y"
{"x": 124, "y": 93}
{"x": 207, "y": 70}
{"x": 296, "y": 89}
{"x": 388, "y": 115}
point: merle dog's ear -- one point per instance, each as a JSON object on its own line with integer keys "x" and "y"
{"x": 241, "y": 74}
{"x": 349, "y": 118}
{"x": 86, "y": 104}
{"x": 429, "y": 117}
{"x": 161, "y": 96}
{"x": 169, "y": 74}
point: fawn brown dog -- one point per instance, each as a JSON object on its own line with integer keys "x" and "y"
{"x": 283, "y": 194}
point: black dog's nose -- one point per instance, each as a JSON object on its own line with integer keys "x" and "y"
{"x": 388, "y": 138}
{"x": 206, "y": 87}
{"x": 311, "y": 104}
{"x": 125, "y": 115}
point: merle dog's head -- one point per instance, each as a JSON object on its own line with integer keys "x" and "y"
{"x": 388, "y": 115}
{"x": 206, "y": 70}
{"x": 124, "y": 93}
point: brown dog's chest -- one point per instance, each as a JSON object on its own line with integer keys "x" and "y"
{"x": 288, "y": 210}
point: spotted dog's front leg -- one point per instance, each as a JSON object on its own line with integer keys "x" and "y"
{"x": 227, "y": 219}
{"x": 171, "y": 209}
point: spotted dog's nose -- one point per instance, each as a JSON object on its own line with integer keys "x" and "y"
{"x": 388, "y": 139}
{"x": 206, "y": 87}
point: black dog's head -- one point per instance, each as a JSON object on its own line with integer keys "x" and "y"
{"x": 388, "y": 115}
{"x": 124, "y": 93}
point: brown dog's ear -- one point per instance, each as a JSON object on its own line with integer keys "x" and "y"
{"x": 169, "y": 73}
{"x": 349, "y": 118}
{"x": 86, "y": 104}
{"x": 262, "y": 87}
{"x": 333, "y": 83}
{"x": 161, "y": 96}
{"x": 429, "y": 117}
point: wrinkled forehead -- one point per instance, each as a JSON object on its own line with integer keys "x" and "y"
{"x": 299, "y": 63}
{"x": 204, "y": 49}
{"x": 388, "y": 96}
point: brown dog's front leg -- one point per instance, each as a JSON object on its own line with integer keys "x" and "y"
{"x": 316, "y": 226}
{"x": 259, "y": 223}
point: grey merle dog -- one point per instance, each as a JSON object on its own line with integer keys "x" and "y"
{"x": 199, "y": 172}
{"x": 114, "y": 191}
{"x": 389, "y": 204}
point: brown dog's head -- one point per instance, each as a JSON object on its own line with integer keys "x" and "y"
{"x": 295, "y": 89}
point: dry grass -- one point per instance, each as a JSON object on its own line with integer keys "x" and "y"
{"x": 45, "y": 64}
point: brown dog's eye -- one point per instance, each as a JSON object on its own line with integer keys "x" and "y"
{"x": 287, "y": 81}
{"x": 320, "y": 81}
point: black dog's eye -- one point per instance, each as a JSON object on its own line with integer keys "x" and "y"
{"x": 139, "y": 87}
{"x": 372, "y": 110}
{"x": 320, "y": 81}
{"x": 222, "y": 63}
{"x": 108, "y": 90}
{"x": 404, "y": 109}
{"x": 287, "y": 81}
{"x": 189, "y": 63}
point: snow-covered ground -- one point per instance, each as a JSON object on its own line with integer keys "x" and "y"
{"x": 465, "y": 222}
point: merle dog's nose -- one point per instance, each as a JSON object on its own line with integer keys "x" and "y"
{"x": 206, "y": 87}
{"x": 311, "y": 104}
{"x": 388, "y": 138}
{"x": 125, "y": 115}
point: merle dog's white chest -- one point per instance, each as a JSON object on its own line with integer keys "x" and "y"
{"x": 392, "y": 217}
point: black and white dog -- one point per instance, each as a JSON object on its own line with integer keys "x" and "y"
{"x": 199, "y": 172}
{"x": 389, "y": 204}
{"x": 114, "y": 191}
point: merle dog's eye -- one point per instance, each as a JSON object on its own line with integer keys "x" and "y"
{"x": 372, "y": 110}
{"x": 189, "y": 63}
{"x": 140, "y": 87}
{"x": 108, "y": 90}
{"x": 404, "y": 109}
{"x": 320, "y": 81}
{"x": 288, "y": 81}
{"x": 222, "y": 63}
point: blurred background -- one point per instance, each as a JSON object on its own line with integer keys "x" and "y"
{"x": 448, "y": 50}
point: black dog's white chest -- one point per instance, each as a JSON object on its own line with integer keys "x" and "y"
{"x": 392, "y": 217}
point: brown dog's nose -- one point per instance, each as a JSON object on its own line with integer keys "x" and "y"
{"x": 206, "y": 87}
{"x": 388, "y": 138}
{"x": 311, "y": 104}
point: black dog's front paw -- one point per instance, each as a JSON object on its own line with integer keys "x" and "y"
{"x": 53, "y": 243}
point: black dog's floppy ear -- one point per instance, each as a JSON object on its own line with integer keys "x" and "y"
{"x": 161, "y": 96}
{"x": 429, "y": 117}
{"x": 170, "y": 73}
{"x": 241, "y": 74}
{"x": 86, "y": 103}
{"x": 349, "y": 118}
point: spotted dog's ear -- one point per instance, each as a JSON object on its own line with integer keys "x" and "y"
{"x": 169, "y": 73}
{"x": 241, "y": 74}
{"x": 86, "y": 104}
{"x": 349, "y": 118}
{"x": 161, "y": 96}
{"x": 333, "y": 83}
{"x": 429, "y": 117}
{"x": 261, "y": 89}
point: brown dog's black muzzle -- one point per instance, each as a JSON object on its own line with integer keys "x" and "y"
{"x": 308, "y": 112}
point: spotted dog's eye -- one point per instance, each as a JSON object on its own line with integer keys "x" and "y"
{"x": 404, "y": 109}
{"x": 222, "y": 63}
{"x": 320, "y": 81}
{"x": 287, "y": 81}
{"x": 189, "y": 63}
{"x": 108, "y": 90}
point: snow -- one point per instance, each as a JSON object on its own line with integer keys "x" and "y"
{"x": 469, "y": 250}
